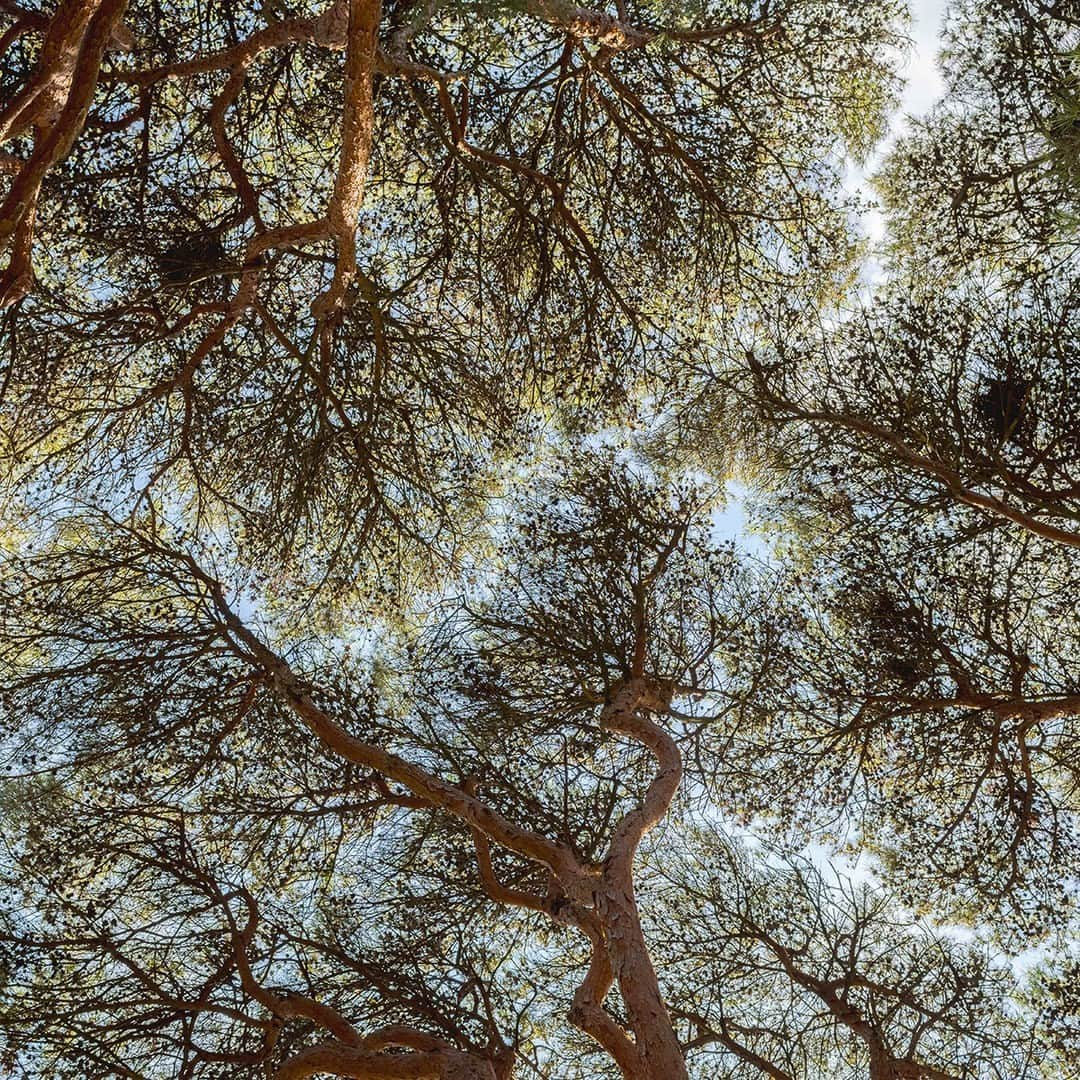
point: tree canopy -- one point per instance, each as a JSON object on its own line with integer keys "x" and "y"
{"x": 385, "y": 691}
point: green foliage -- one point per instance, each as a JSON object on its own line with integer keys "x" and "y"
{"x": 378, "y": 681}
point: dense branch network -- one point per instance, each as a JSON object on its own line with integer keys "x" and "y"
{"x": 393, "y": 682}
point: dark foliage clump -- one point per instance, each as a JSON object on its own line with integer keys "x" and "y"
{"x": 1004, "y": 407}
{"x": 191, "y": 259}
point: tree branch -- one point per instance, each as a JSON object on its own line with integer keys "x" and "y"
{"x": 357, "y": 127}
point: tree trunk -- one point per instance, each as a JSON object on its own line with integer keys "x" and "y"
{"x": 659, "y": 1053}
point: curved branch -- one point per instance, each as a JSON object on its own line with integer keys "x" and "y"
{"x": 328, "y": 30}
{"x": 46, "y": 91}
{"x": 625, "y": 714}
{"x": 952, "y": 480}
{"x": 346, "y": 1061}
{"x": 88, "y": 33}
{"x": 439, "y": 793}
{"x": 589, "y": 1015}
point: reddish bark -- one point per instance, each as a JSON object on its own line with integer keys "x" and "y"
{"x": 598, "y": 901}
{"x": 55, "y": 104}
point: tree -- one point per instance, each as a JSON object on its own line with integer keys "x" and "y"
{"x": 313, "y": 282}
{"x": 377, "y": 695}
{"x": 918, "y": 475}
{"x": 943, "y": 411}
{"x": 923, "y": 692}
{"x": 990, "y": 174}
{"x": 793, "y": 974}
{"x": 961, "y": 368}
{"x": 513, "y": 759}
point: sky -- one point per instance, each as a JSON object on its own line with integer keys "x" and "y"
{"x": 922, "y": 89}
{"x": 924, "y": 81}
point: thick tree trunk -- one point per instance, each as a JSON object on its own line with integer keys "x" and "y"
{"x": 659, "y": 1053}
{"x": 357, "y": 129}
{"x": 656, "y": 1050}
